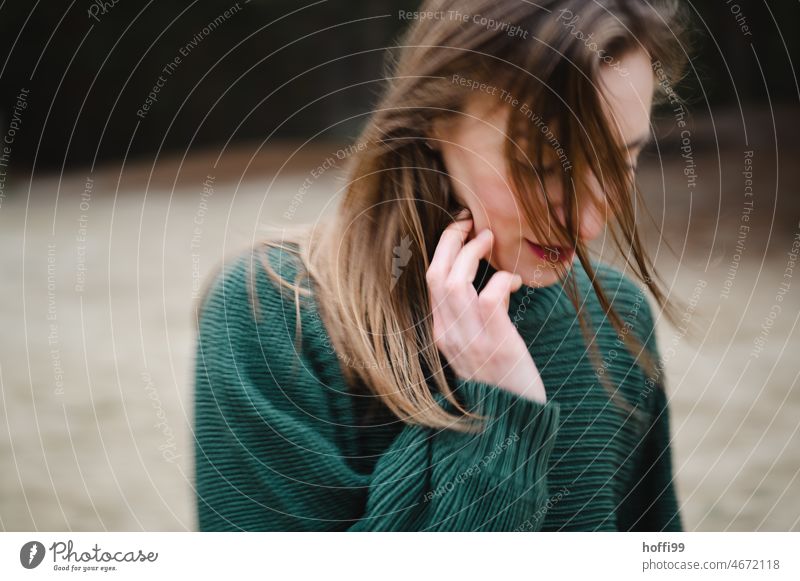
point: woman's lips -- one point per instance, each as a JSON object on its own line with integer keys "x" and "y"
{"x": 551, "y": 253}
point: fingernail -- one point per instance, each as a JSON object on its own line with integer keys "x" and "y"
{"x": 517, "y": 280}
{"x": 486, "y": 233}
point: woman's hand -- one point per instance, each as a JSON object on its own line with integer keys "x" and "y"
{"x": 474, "y": 332}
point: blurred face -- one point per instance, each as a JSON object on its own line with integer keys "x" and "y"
{"x": 472, "y": 148}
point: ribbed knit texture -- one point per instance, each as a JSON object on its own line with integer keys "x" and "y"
{"x": 282, "y": 444}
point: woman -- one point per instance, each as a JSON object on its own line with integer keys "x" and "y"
{"x": 443, "y": 354}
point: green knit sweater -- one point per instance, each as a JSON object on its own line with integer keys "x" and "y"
{"x": 282, "y": 444}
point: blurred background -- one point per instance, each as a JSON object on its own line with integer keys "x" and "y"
{"x": 143, "y": 143}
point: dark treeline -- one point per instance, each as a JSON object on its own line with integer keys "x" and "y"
{"x": 105, "y": 80}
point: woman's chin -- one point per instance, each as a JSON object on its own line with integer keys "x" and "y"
{"x": 535, "y": 271}
{"x": 541, "y": 272}
{"x": 539, "y": 277}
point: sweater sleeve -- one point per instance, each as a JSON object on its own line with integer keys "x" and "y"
{"x": 264, "y": 461}
{"x": 653, "y": 494}
{"x": 494, "y": 480}
{"x": 652, "y": 502}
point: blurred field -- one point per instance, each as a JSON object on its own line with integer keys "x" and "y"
{"x": 96, "y": 381}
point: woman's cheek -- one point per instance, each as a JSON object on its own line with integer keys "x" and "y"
{"x": 495, "y": 199}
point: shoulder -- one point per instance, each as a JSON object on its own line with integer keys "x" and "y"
{"x": 620, "y": 287}
{"x": 241, "y": 296}
{"x": 628, "y": 298}
{"x": 615, "y": 281}
{"x": 253, "y": 345}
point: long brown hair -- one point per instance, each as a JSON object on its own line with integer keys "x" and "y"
{"x": 398, "y": 194}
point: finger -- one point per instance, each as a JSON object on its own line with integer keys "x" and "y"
{"x": 454, "y": 331}
{"x": 494, "y": 299}
{"x": 447, "y": 248}
{"x": 445, "y": 331}
{"x": 437, "y": 330}
{"x": 466, "y": 263}
{"x": 461, "y": 295}
{"x": 463, "y": 214}
{"x": 462, "y": 298}
{"x": 457, "y": 316}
